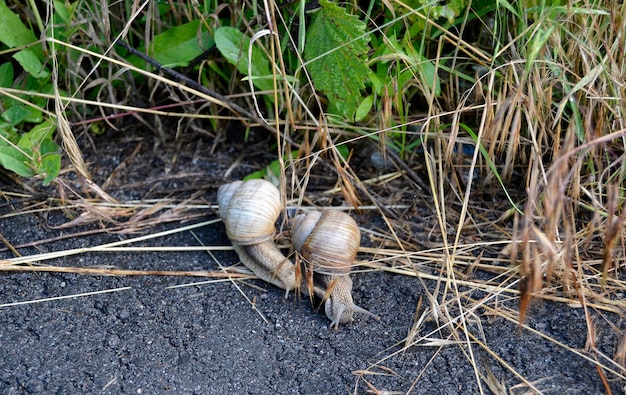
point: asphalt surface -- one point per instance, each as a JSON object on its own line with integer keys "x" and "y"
{"x": 149, "y": 335}
{"x": 145, "y": 337}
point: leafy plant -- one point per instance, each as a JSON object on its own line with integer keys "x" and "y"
{"x": 179, "y": 45}
{"x": 26, "y": 136}
{"x": 234, "y": 46}
{"x": 335, "y": 51}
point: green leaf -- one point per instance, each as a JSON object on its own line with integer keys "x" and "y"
{"x": 536, "y": 44}
{"x": 46, "y": 155}
{"x": 7, "y": 132}
{"x": 419, "y": 66}
{"x": 364, "y": 108}
{"x": 12, "y": 159}
{"x": 15, "y": 114}
{"x": 257, "y": 175}
{"x": 63, "y": 11}
{"x": 50, "y": 161}
{"x": 33, "y": 139}
{"x": 271, "y": 171}
{"x": 335, "y": 51}
{"x": 6, "y": 75}
{"x": 34, "y": 115}
{"x": 424, "y": 67}
{"x": 376, "y": 80}
{"x": 344, "y": 151}
{"x": 180, "y": 45}
{"x": 29, "y": 61}
{"x": 13, "y": 33}
{"x": 234, "y": 45}
{"x": 450, "y": 10}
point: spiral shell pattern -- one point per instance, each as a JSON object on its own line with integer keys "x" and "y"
{"x": 249, "y": 210}
{"x": 329, "y": 240}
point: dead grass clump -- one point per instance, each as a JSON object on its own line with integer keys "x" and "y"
{"x": 568, "y": 106}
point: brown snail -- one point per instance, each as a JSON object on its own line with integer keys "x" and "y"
{"x": 249, "y": 211}
{"x": 328, "y": 242}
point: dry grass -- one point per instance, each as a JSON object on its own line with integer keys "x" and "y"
{"x": 547, "y": 118}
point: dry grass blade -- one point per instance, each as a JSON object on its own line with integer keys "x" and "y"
{"x": 614, "y": 227}
{"x": 65, "y": 297}
{"x": 7, "y": 266}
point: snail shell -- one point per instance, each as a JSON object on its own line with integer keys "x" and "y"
{"x": 249, "y": 210}
{"x": 328, "y": 239}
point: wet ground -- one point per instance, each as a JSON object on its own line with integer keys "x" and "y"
{"x": 146, "y": 334}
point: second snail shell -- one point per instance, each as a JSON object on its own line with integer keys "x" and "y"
{"x": 328, "y": 239}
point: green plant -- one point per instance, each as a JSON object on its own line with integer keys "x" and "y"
{"x": 335, "y": 51}
{"x": 26, "y": 128}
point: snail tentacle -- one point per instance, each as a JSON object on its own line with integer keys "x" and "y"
{"x": 336, "y": 292}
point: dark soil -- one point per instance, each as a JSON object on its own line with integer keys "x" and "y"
{"x": 146, "y": 337}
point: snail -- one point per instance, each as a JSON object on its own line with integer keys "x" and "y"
{"x": 328, "y": 242}
{"x": 249, "y": 211}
